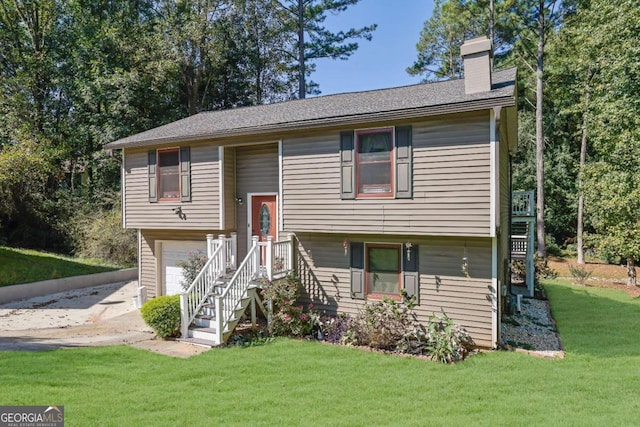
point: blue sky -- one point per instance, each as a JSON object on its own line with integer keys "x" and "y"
{"x": 381, "y": 62}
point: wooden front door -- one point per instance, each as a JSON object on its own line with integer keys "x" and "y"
{"x": 264, "y": 216}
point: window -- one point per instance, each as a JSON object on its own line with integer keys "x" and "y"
{"x": 383, "y": 270}
{"x": 374, "y": 163}
{"x": 168, "y": 174}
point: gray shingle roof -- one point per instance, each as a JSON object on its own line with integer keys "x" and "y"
{"x": 331, "y": 110}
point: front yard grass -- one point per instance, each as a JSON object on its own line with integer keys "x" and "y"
{"x": 291, "y": 382}
{"x": 26, "y": 266}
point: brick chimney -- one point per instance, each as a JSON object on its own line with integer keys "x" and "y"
{"x": 476, "y": 57}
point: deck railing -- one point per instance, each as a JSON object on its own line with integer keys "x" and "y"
{"x": 522, "y": 203}
{"x": 276, "y": 258}
{"x": 231, "y": 297}
{"x": 192, "y": 299}
{"x": 519, "y": 246}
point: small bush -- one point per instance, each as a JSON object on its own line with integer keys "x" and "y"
{"x": 382, "y": 325}
{"x": 334, "y": 328}
{"x": 287, "y": 317}
{"x": 580, "y": 274}
{"x": 162, "y": 314}
{"x": 447, "y": 342}
{"x": 191, "y": 267}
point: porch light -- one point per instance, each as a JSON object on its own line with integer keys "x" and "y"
{"x": 345, "y": 245}
{"x": 408, "y": 246}
{"x": 239, "y": 200}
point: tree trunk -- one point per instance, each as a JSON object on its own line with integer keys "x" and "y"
{"x": 631, "y": 272}
{"x": 302, "y": 89}
{"x": 583, "y": 158}
{"x": 542, "y": 250}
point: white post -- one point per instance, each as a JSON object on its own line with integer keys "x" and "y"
{"x": 256, "y": 256}
{"x": 223, "y": 253}
{"x": 269, "y": 258}
{"x": 292, "y": 251}
{"x": 234, "y": 250}
{"x": 219, "y": 320}
{"x": 209, "y": 245}
{"x": 184, "y": 315}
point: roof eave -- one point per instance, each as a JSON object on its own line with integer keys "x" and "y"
{"x": 326, "y": 122}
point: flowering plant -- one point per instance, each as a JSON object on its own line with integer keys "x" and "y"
{"x": 287, "y": 317}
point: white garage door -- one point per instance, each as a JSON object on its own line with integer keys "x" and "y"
{"x": 172, "y": 254}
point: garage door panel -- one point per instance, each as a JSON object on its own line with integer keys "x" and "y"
{"x": 172, "y": 254}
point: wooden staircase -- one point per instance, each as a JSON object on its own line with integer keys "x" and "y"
{"x": 220, "y": 295}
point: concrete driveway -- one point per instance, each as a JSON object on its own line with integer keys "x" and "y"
{"x": 101, "y": 315}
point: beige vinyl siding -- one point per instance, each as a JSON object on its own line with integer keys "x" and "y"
{"x": 202, "y": 212}
{"x": 451, "y": 184}
{"x": 256, "y": 172}
{"x": 148, "y": 260}
{"x": 324, "y": 269}
{"x": 230, "y": 187}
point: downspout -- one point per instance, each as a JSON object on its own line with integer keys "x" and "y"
{"x": 494, "y": 117}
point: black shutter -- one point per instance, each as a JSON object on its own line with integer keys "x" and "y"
{"x": 153, "y": 176}
{"x": 185, "y": 174}
{"x": 404, "y": 178}
{"x": 410, "y": 272}
{"x": 347, "y": 166}
{"x": 357, "y": 270}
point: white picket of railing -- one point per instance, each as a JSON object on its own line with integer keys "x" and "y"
{"x": 282, "y": 259}
{"x": 192, "y": 299}
{"x": 230, "y": 299}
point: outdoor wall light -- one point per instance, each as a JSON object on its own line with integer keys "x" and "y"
{"x": 408, "y": 246}
{"x": 345, "y": 245}
{"x": 239, "y": 200}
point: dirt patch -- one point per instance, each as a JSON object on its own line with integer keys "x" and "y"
{"x": 602, "y": 276}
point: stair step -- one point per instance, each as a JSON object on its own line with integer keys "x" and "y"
{"x": 202, "y": 333}
{"x": 198, "y": 342}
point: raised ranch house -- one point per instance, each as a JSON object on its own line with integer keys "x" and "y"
{"x": 364, "y": 194}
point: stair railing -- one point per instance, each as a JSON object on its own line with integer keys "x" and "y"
{"x": 195, "y": 296}
{"x": 230, "y": 299}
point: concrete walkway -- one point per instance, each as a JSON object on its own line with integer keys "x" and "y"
{"x": 97, "y": 316}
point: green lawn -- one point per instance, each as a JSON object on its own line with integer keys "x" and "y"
{"x": 291, "y": 383}
{"x": 26, "y": 266}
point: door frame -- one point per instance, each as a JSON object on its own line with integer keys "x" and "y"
{"x": 250, "y": 213}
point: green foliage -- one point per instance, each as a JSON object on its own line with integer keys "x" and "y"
{"x": 580, "y": 274}
{"x": 191, "y": 267}
{"x": 162, "y": 314}
{"x": 448, "y": 343}
{"x": 301, "y": 21}
{"x": 452, "y": 22}
{"x": 384, "y": 325}
{"x": 288, "y": 318}
{"x": 393, "y": 326}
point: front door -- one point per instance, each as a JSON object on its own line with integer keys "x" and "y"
{"x": 264, "y": 217}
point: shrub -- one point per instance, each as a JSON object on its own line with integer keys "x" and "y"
{"x": 580, "y": 274}
{"x": 334, "y": 328}
{"x": 382, "y": 325}
{"x": 288, "y": 318}
{"x": 447, "y": 342}
{"x": 162, "y": 314}
{"x": 191, "y": 267}
{"x": 393, "y": 326}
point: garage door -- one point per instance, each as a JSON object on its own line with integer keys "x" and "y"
{"x": 172, "y": 254}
